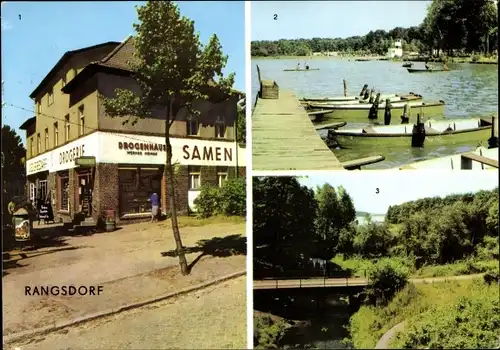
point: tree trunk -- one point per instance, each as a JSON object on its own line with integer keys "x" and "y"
{"x": 169, "y": 173}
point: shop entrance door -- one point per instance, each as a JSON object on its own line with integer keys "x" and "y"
{"x": 85, "y": 194}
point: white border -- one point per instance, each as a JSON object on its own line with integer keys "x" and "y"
{"x": 249, "y": 229}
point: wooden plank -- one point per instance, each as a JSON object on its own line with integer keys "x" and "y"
{"x": 284, "y": 138}
{"x": 477, "y": 158}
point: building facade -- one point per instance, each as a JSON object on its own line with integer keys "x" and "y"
{"x": 396, "y": 50}
{"x": 80, "y": 160}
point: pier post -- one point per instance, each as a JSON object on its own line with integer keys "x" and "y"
{"x": 493, "y": 140}
{"x": 345, "y": 88}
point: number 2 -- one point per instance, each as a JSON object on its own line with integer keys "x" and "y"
{"x": 275, "y": 17}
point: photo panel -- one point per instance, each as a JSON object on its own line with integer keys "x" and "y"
{"x": 124, "y": 175}
{"x": 376, "y": 260}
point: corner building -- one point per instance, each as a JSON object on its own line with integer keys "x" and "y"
{"x": 84, "y": 161}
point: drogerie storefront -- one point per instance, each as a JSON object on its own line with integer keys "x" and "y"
{"x": 114, "y": 171}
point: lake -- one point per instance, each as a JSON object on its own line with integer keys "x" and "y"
{"x": 375, "y": 218}
{"x": 468, "y": 90}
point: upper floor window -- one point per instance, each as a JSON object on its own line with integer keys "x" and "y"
{"x": 56, "y": 134}
{"x": 63, "y": 82}
{"x": 194, "y": 177}
{"x": 81, "y": 118}
{"x": 220, "y": 127}
{"x": 75, "y": 72}
{"x": 66, "y": 128}
{"x": 192, "y": 127}
{"x": 39, "y": 106}
{"x": 38, "y": 143}
{"x": 50, "y": 96}
{"x": 46, "y": 139}
{"x": 32, "y": 146}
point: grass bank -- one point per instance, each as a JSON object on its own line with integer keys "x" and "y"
{"x": 358, "y": 267}
{"x": 443, "y": 312}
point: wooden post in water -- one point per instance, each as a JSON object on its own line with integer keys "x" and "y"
{"x": 345, "y": 88}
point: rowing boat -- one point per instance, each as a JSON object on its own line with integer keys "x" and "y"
{"x": 440, "y": 132}
{"x": 424, "y": 70}
{"x": 407, "y": 65}
{"x": 339, "y": 100}
{"x": 358, "y": 113}
{"x": 300, "y": 70}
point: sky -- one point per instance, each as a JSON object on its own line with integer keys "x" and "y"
{"x": 331, "y": 19}
{"x": 397, "y": 187}
{"x": 35, "y": 35}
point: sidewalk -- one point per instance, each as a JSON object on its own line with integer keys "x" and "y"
{"x": 127, "y": 263}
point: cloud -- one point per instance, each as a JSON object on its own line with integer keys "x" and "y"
{"x": 6, "y": 26}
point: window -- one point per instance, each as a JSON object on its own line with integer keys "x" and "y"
{"x": 38, "y": 143}
{"x": 66, "y": 128}
{"x": 194, "y": 177}
{"x": 32, "y": 192}
{"x": 192, "y": 127}
{"x": 136, "y": 187}
{"x": 50, "y": 99}
{"x": 64, "y": 191}
{"x": 42, "y": 190}
{"x": 220, "y": 127}
{"x": 63, "y": 81}
{"x": 39, "y": 107}
{"x": 46, "y": 139}
{"x": 75, "y": 72}
{"x": 221, "y": 175}
{"x": 81, "y": 117}
{"x": 56, "y": 135}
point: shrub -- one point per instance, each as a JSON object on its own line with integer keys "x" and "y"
{"x": 267, "y": 332}
{"x": 230, "y": 199}
{"x": 386, "y": 277}
{"x": 234, "y": 197}
{"x": 208, "y": 202}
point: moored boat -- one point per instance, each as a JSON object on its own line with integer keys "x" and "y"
{"x": 437, "y": 132}
{"x": 358, "y": 113}
{"x": 407, "y": 65}
{"x": 425, "y": 70}
{"x": 339, "y": 100}
{"x": 300, "y": 70}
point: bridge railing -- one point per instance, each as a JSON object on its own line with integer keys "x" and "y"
{"x": 316, "y": 281}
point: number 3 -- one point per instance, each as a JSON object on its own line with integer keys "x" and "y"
{"x": 377, "y": 190}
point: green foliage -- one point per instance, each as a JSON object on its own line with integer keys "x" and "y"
{"x": 464, "y": 267}
{"x": 372, "y": 239}
{"x": 468, "y": 323}
{"x": 268, "y": 332}
{"x": 386, "y": 278}
{"x": 13, "y": 153}
{"x": 229, "y": 200}
{"x": 241, "y": 126}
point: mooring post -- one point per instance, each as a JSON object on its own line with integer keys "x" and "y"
{"x": 300, "y": 282}
{"x": 345, "y": 88}
{"x": 276, "y": 283}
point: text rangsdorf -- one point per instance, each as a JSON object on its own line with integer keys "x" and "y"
{"x": 206, "y": 153}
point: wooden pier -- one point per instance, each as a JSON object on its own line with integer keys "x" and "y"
{"x": 283, "y": 135}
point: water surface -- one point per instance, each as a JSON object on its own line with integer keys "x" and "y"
{"x": 468, "y": 90}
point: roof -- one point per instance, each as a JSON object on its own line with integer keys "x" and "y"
{"x": 116, "y": 62}
{"x": 64, "y": 59}
{"x": 27, "y": 123}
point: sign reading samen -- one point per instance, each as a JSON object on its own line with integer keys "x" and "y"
{"x": 85, "y": 161}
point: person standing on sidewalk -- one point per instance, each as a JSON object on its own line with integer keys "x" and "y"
{"x": 155, "y": 204}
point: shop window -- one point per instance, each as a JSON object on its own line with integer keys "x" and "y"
{"x": 194, "y": 177}
{"x": 193, "y": 127}
{"x": 43, "y": 190}
{"x": 32, "y": 194}
{"x": 220, "y": 127}
{"x": 221, "y": 175}
{"x": 64, "y": 192}
{"x": 136, "y": 186}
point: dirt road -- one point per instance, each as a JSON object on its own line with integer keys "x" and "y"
{"x": 213, "y": 318}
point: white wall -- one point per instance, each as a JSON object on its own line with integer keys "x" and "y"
{"x": 192, "y": 195}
